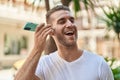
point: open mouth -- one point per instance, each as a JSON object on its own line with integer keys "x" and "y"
{"x": 69, "y": 33}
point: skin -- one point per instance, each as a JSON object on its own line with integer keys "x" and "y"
{"x": 27, "y": 71}
{"x": 62, "y": 22}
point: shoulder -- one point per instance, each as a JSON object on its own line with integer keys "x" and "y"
{"x": 94, "y": 58}
{"x": 104, "y": 70}
{"x": 93, "y": 55}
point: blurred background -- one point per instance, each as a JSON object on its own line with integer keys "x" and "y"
{"x": 98, "y": 23}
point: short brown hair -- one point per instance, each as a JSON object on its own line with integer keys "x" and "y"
{"x": 56, "y": 8}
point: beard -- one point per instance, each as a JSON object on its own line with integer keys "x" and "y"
{"x": 66, "y": 42}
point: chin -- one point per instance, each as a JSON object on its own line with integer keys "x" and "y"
{"x": 70, "y": 44}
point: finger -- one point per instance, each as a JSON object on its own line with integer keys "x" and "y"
{"x": 42, "y": 29}
{"x": 39, "y": 27}
{"x": 46, "y": 32}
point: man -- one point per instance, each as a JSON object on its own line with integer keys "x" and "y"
{"x": 68, "y": 62}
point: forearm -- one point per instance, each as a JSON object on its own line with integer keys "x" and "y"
{"x": 27, "y": 71}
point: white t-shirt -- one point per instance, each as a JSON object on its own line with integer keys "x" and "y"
{"x": 88, "y": 67}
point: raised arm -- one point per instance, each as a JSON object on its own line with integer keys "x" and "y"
{"x": 27, "y": 71}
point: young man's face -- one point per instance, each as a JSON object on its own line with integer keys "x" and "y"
{"x": 65, "y": 31}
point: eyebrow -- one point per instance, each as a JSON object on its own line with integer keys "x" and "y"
{"x": 60, "y": 19}
{"x": 64, "y": 18}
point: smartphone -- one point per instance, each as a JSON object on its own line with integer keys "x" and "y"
{"x": 30, "y": 26}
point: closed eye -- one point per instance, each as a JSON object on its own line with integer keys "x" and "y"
{"x": 72, "y": 19}
{"x": 61, "y": 21}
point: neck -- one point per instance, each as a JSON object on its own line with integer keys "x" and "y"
{"x": 69, "y": 53}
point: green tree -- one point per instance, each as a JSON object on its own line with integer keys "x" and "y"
{"x": 113, "y": 20}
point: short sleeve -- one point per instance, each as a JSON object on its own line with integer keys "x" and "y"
{"x": 105, "y": 71}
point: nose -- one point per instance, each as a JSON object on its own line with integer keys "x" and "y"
{"x": 69, "y": 24}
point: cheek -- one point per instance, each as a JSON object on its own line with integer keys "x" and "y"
{"x": 58, "y": 33}
{"x": 58, "y": 29}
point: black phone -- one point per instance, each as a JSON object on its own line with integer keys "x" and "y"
{"x": 30, "y": 26}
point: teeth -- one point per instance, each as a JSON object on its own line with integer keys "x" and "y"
{"x": 69, "y": 32}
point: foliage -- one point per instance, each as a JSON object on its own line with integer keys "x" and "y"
{"x": 113, "y": 20}
{"x": 76, "y": 5}
{"x": 112, "y": 16}
{"x": 115, "y": 69}
{"x": 86, "y": 3}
